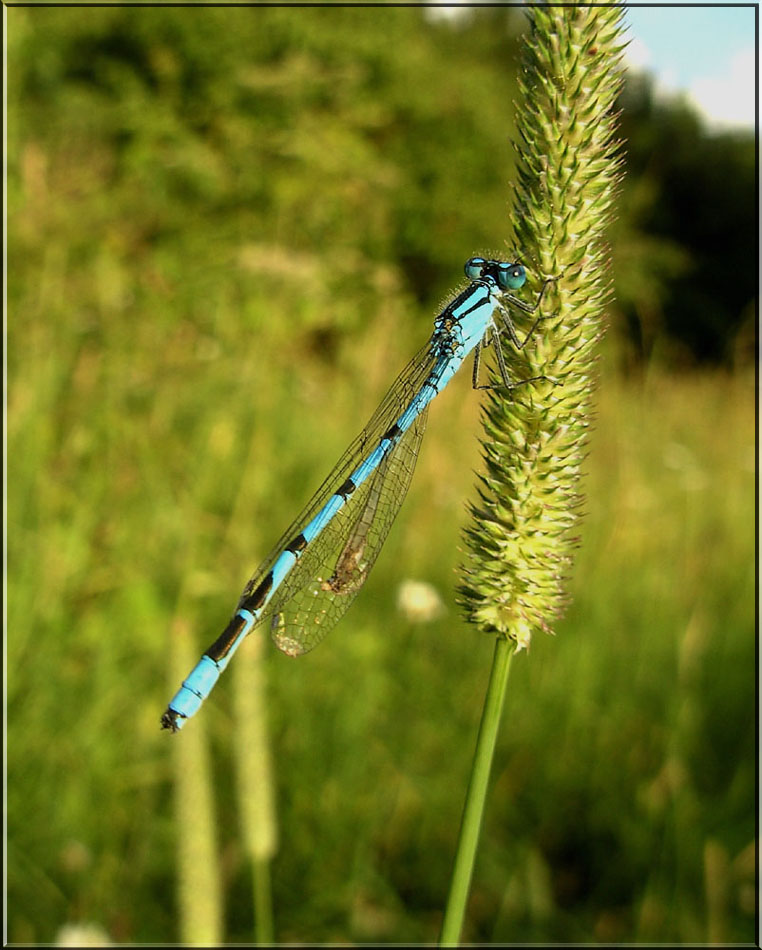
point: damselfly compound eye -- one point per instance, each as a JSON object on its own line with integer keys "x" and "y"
{"x": 510, "y": 276}
{"x": 475, "y": 268}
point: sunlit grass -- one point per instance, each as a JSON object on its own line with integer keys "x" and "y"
{"x": 175, "y": 394}
{"x": 636, "y": 739}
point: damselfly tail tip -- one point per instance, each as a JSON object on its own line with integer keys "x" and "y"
{"x": 172, "y": 720}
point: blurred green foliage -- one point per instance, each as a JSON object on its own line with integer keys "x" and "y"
{"x": 685, "y": 260}
{"x": 228, "y": 229}
{"x": 292, "y": 130}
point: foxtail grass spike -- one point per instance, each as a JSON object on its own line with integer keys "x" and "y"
{"x": 524, "y": 526}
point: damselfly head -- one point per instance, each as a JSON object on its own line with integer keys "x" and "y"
{"x": 507, "y": 275}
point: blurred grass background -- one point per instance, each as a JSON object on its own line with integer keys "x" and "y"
{"x": 228, "y": 230}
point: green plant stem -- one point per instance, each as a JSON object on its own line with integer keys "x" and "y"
{"x": 476, "y": 795}
{"x": 263, "y": 903}
{"x": 199, "y": 896}
{"x": 253, "y": 758}
{"x": 256, "y": 794}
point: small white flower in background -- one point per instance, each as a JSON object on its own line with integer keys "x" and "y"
{"x": 82, "y": 935}
{"x": 680, "y": 459}
{"x": 419, "y": 602}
